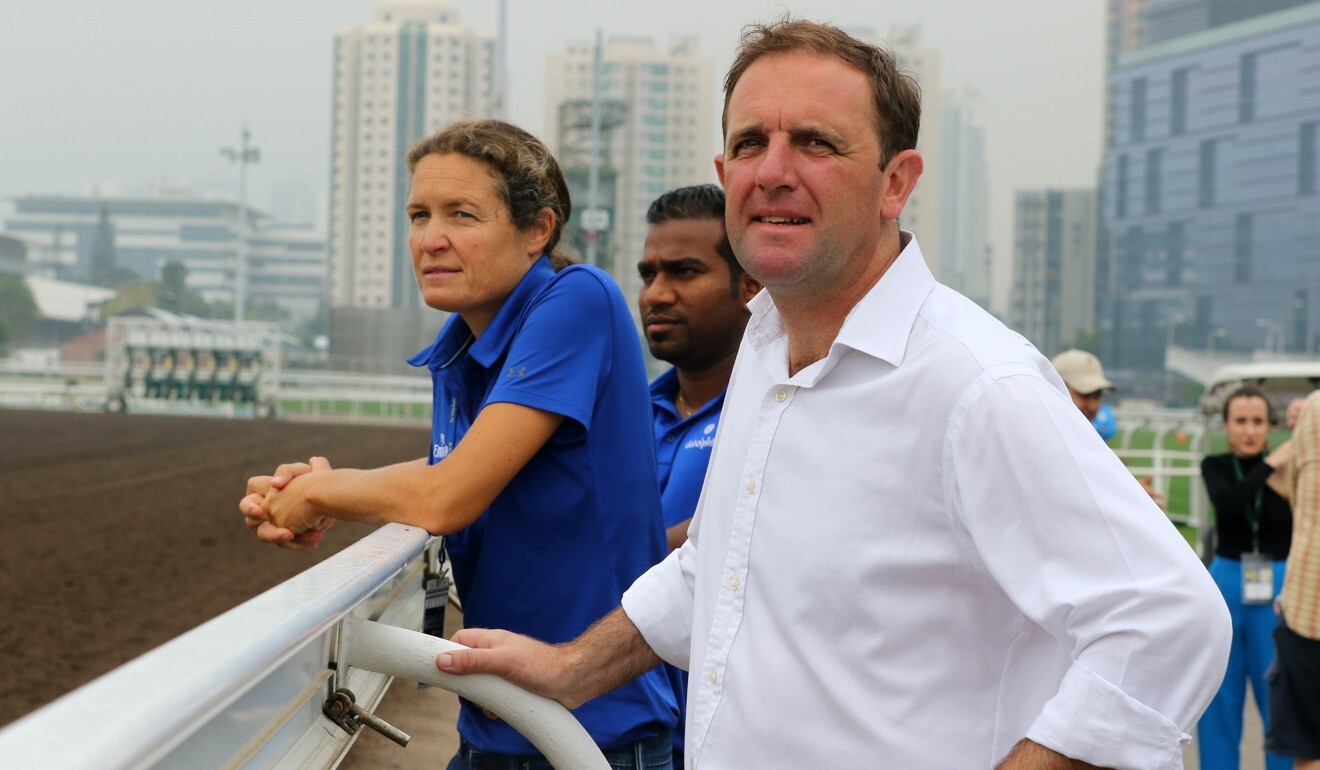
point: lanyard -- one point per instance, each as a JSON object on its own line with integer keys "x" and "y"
{"x": 1252, "y": 510}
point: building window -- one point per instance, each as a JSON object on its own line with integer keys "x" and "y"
{"x": 1178, "y": 103}
{"x": 1205, "y": 186}
{"x": 1306, "y": 159}
{"x": 1120, "y": 196}
{"x": 1138, "y": 125}
{"x": 1175, "y": 244}
{"x": 1242, "y": 237}
{"x": 1154, "y": 169}
{"x": 1247, "y": 88}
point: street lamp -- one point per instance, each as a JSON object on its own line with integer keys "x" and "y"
{"x": 243, "y": 156}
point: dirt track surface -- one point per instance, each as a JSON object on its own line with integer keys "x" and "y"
{"x": 122, "y": 532}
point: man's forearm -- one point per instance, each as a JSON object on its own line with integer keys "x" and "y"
{"x": 1029, "y": 755}
{"x": 610, "y": 653}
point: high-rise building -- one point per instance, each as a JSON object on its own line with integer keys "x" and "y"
{"x": 1054, "y": 267}
{"x": 1212, "y": 206}
{"x": 1125, "y": 30}
{"x": 964, "y": 239}
{"x": 660, "y": 106}
{"x": 405, "y": 74}
{"x": 1167, "y": 19}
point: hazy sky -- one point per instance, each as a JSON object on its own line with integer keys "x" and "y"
{"x": 130, "y": 91}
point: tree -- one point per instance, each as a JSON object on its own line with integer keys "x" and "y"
{"x": 103, "y": 268}
{"x": 173, "y": 290}
{"x": 18, "y": 309}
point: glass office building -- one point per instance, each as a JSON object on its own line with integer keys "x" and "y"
{"x": 1210, "y": 208}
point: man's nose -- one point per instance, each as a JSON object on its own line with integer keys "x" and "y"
{"x": 776, "y": 166}
{"x": 658, "y": 292}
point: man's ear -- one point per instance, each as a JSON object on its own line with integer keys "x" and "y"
{"x": 719, "y": 168}
{"x": 900, "y": 178}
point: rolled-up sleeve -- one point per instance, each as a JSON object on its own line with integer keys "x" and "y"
{"x": 659, "y": 604}
{"x": 1070, "y": 537}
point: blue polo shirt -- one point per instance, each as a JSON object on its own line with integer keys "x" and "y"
{"x": 560, "y": 544}
{"x": 682, "y": 454}
{"x": 682, "y": 447}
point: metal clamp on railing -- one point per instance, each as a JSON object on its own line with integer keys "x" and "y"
{"x": 343, "y": 710}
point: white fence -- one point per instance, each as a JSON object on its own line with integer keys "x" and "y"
{"x": 248, "y": 689}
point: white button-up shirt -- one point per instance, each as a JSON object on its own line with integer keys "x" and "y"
{"x": 916, "y": 551}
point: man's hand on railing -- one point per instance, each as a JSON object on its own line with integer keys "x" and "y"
{"x": 266, "y": 503}
{"x": 609, "y": 653}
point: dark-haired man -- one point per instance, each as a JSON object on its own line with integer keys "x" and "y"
{"x": 911, "y": 550}
{"x": 693, "y": 305}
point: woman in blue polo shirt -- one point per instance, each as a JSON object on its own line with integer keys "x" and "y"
{"x": 541, "y": 470}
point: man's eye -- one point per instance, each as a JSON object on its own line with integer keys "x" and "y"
{"x": 417, "y": 215}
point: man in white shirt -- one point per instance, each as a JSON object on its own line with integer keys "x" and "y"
{"x": 911, "y": 551}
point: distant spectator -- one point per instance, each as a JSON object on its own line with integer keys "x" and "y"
{"x": 1294, "y": 700}
{"x": 1254, "y": 528}
{"x": 1294, "y": 412}
{"x": 1085, "y": 377}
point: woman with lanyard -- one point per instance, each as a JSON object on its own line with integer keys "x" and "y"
{"x": 1253, "y": 522}
{"x": 541, "y": 467}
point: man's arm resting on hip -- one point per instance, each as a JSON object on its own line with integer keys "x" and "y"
{"x": 610, "y": 653}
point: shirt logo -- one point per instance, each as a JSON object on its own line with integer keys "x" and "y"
{"x": 441, "y": 450}
{"x": 709, "y": 429}
{"x": 516, "y": 371}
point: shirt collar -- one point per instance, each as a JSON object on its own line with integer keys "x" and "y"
{"x": 878, "y": 325}
{"x": 455, "y": 336}
{"x": 663, "y": 389}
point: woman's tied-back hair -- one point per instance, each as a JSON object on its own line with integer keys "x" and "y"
{"x": 895, "y": 94}
{"x": 527, "y": 176}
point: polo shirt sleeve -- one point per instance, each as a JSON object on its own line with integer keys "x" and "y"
{"x": 563, "y": 350}
{"x": 1069, "y": 535}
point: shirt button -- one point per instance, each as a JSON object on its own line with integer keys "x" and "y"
{"x": 780, "y": 395}
{"x": 670, "y": 439}
{"x": 733, "y": 584}
{"x": 714, "y": 677}
{"x": 751, "y": 487}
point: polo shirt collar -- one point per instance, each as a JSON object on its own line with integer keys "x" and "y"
{"x": 665, "y": 386}
{"x": 455, "y": 336}
{"x": 878, "y": 325}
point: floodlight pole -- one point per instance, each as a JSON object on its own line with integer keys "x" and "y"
{"x": 243, "y": 156}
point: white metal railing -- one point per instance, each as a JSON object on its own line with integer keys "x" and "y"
{"x": 247, "y": 688}
{"x": 1165, "y": 465}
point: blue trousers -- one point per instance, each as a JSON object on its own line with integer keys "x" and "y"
{"x": 1219, "y": 732}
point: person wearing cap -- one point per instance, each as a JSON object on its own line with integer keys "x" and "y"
{"x": 1085, "y": 377}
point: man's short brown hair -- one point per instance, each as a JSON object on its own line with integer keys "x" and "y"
{"x": 896, "y": 95}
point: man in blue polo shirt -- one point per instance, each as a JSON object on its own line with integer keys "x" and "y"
{"x": 693, "y": 306}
